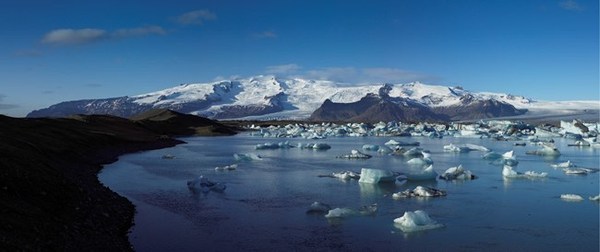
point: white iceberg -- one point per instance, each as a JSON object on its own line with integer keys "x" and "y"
{"x": 595, "y": 198}
{"x": 419, "y": 191}
{"x": 347, "y": 212}
{"x": 571, "y": 197}
{"x": 374, "y": 176}
{"x": 425, "y": 174}
{"x": 457, "y": 173}
{"x": 318, "y": 208}
{"x": 370, "y": 147}
{"x": 226, "y": 168}
{"x": 204, "y": 185}
{"x": 509, "y": 172}
{"x": 355, "y": 154}
{"x": 416, "y": 221}
{"x": 346, "y": 175}
{"x": 425, "y": 160}
{"x": 246, "y": 157}
{"x": 567, "y": 164}
{"x": 579, "y": 171}
{"x": 547, "y": 150}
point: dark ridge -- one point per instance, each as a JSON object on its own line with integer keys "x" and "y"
{"x": 50, "y": 196}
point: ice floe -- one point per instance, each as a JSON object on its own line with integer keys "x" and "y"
{"x": 457, "y": 173}
{"x": 419, "y": 191}
{"x": 226, "y": 168}
{"x": 374, "y": 176}
{"x": 355, "y": 154}
{"x": 415, "y": 221}
{"x": 246, "y": 157}
{"x": 426, "y": 173}
{"x": 571, "y": 197}
{"x": 509, "y": 172}
{"x": 546, "y": 150}
{"x": 348, "y": 212}
{"x": 318, "y": 208}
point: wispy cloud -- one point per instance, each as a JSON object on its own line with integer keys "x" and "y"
{"x": 283, "y": 69}
{"x": 74, "y": 36}
{"x": 6, "y": 105}
{"x": 197, "y": 17}
{"x": 138, "y": 32}
{"x": 265, "y": 34}
{"x": 63, "y": 37}
{"x": 571, "y": 5}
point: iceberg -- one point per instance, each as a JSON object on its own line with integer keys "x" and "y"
{"x": 204, "y": 185}
{"x": 370, "y": 147}
{"x": 226, "y": 168}
{"x": 346, "y": 175}
{"x": 347, "y": 212}
{"x": 508, "y": 158}
{"x": 571, "y": 197}
{"x": 419, "y": 191}
{"x": 374, "y": 176}
{"x": 547, "y": 150}
{"x": 355, "y": 154}
{"x": 246, "y": 157}
{"x": 318, "y": 208}
{"x": 508, "y": 172}
{"x": 426, "y": 174}
{"x": 416, "y": 221}
{"x": 314, "y": 146}
{"x": 567, "y": 164}
{"x": 457, "y": 173}
{"x": 595, "y": 198}
{"x": 465, "y": 148}
{"x": 579, "y": 171}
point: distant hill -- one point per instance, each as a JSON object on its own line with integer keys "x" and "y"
{"x": 269, "y": 97}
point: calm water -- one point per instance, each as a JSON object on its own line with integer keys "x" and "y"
{"x": 264, "y": 205}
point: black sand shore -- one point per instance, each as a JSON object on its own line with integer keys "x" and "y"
{"x": 50, "y": 196}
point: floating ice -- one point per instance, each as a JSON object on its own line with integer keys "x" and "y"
{"x": 204, "y": 185}
{"x": 246, "y": 157}
{"x": 414, "y": 152}
{"x": 168, "y": 156}
{"x": 508, "y": 172}
{"x": 571, "y": 197}
{"x": 465, "y": 148}
{"x": 370, "y": 147}
{"x": 579, "y": 171}
{"x": 457, "y": 173}
{"x": 425, "y": 174}
{"x": 420, "y": 161}
{"x": 567, "y": 164}
{"x": 419, "y": 191}
{"x": 318, "y": 208}
{"x": 346, "y": 175}
{"x": 347, "y": 212}
{"x": 508, "y": 158}
{"x": 416, "y": 221}
{"x": 374, "y": 176}
{"x": 547, "y": 150}
{"x": 595, "y": 198}
{"x": 226, "y": 168}
{"x": 272, "y": 146}
{"x": 314, "y": 146}
{"x": 355, "y": 154}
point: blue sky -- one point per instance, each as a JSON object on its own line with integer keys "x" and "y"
{"x": 52, "y": 51}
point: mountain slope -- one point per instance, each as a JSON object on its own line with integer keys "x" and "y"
{"x": 269, "y": 97}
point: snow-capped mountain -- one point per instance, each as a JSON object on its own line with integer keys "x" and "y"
{"x": 269, "y": 97}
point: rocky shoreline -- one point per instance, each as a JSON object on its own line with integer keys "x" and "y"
{"x": 50, "y": 196}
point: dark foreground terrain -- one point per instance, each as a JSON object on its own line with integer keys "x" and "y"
{"x": 50, "y": 196}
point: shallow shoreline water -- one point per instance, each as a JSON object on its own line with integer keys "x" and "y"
{"x": 265, "y": 202}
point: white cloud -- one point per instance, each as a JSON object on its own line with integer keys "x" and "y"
{"x": 197, "y": 17}
{"x": 140, "y": 31}
{"x": 571, "y": 5}
{"x": 341, "y": 74}
{"x": 74, "y": 36}
{"x": 393, "y": 75}
{"x": 91, "y": 35}
{"x": 283, "y": 69}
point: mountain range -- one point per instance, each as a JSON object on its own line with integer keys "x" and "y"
{"x": 272, "y": 98}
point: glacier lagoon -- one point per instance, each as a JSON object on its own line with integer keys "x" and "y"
{"x": 265, "y": 203}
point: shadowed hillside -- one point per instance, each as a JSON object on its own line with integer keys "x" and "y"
{"x": 50, "y": 196}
